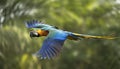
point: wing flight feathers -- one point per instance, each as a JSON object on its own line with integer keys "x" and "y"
{"x": 50, "y": 48}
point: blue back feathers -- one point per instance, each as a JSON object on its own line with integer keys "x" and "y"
{"x": 57, "y": 34}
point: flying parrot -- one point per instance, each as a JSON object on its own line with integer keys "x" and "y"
{"x": 55, "y": 38}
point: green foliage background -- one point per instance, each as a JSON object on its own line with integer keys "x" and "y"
{"x": 95, "y": 17}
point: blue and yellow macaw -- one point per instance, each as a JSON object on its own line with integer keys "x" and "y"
{"x": 55, "y": 38}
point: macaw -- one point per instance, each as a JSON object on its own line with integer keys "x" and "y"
{"x": 55, "y": 38}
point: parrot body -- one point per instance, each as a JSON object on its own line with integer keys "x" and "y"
{"x": 55, "y": 38}
{"x": 57, "y": 34}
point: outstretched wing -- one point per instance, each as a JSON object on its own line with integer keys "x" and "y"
{"x": 37, "y": 24}
{"x": 33, "y": 24}
{"x": 50, "y": 48}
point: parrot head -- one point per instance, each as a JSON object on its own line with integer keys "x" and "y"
{"x": 34, "y": 34}
{"x": 38, "y": 33}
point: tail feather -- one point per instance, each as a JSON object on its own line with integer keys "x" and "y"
{"x": 96, "y": 37}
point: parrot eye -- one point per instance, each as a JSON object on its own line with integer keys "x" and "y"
{"x": 34, "y": 34}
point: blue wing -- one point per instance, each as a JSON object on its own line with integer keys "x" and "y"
{"x": 35, "y": 24}
{"x": 50, "y": 48}
{"x": 32, "y": 24}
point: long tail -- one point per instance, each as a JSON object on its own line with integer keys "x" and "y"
{"x": 92, "y": 36}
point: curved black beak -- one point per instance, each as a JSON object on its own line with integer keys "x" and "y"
{"x": 34, "y": 34}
